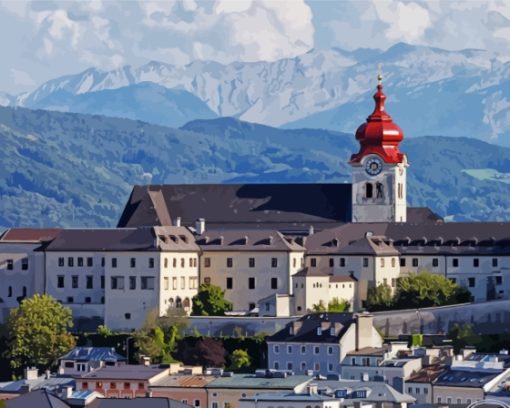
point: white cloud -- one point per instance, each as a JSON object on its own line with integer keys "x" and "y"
{"x": 21, "y": 78}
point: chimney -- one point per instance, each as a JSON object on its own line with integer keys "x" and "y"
{"x": 246, "y": 240}
{"x": 364, "y": 329}
{"x": 68, "y": 392}
{"x": 311, "y": 230}
{"x": 31, "y": 373}
{"x": 399, "y": 384}
{"x": 47, "y": 374}
{"x": 178, "y": 222}
{"x": 200, "y": 226}
{"x": 312, "y": 389}
{"x": 271, "y": 240}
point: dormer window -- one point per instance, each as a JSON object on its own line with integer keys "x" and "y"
{"x": 332, "y": 331}
{"x": 319, "y": 331}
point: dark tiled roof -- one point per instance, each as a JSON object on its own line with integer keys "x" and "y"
{"x": 152, "y": 402}
{"x": 124, "y": 372}
{"x": 246, "y": 240}
{"x": 466, "y": 378}
{"x": 338, "y": 278}
{"x": 124, "y": 239}
{"x": 36, "y": 399}
{"x": 305, "y": 328}
{"x": 309, "y": 271}
{"x": 368, "y": 351}
{"x": 30, "y": 234}
{"x": 93, "y": 354}
{"x": 280, "y": 206}
{"x": 427, "y": 374}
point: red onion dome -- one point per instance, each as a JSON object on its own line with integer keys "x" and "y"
{"x": 379, "y": 135}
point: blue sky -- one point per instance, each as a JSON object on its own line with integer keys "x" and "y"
{"x": 45, "y": 39}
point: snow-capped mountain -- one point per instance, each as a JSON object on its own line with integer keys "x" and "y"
{"x": 430, "y": 91}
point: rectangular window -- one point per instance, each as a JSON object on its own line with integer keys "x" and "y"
{"x": 455, "y": 262}
{"x": 151, "y": 263}
{"x": 102, "y": 282}
{"x": 402, "y": 262}
{"x": 365, "y": 262}
{"x": 303, "y": 349}
{"x": 80, "y": 261}
{"x": 316, "y": 350}
{"x": 251, "y": 283}
{"x": 90, "y": 282}
{"x": 415, "y": 262}
{"x": 207, "y": 262}
{"x": 191, "y": 262}
{"x": 74, "y": 281}
{"x": 70, "y": 299}
{"x": 342, "y": 262}
{"x": 274, "y": 283}
{"x": 499, "y": 280}
{"x": 24, "y": 264}
{"x": 276, "y": 349}
{"x": 90, "y": 261}
{"x": 197, "y": 403}
{"x": 251, "y": 262}
{"x": 183, "y": 282}
{"x": 103, "y": 262}
{"x": 132, "y": 262}
{"x": 127, "y": 386}
{"x": 331, "y": 262}
{"x": 289, "y": 365}
{"x": 60, "y": 281}
{"x": 313, "y": 262}
{"x": 494, "y": 262}
{"x": 230, "y": 283}
{"x": 393, "y": 282}
{"x": 274, "y": 262}
{"x": 165, "y": 283}
{"x": 174, "y": 283}
{"x": 114, "y": 262}
{"x": 147, "y": 282}
{"x": 330, "y": 350}
{"x": 476, "y": 262}
{"x": 229, "y": 262}
{"x": 471, "y": 282}
{"x": 88, "y": 300}
{"x": 289, "y": 349}
{"x": 117, "y": 282}
{"x": 61, "y": 261}
{"x": 70, "y": 261}
{"x": 182, "y": 262}
{"x": 435, "y": 262}
{"x": 192, "y": 282}
{"x": 132, "y": 282}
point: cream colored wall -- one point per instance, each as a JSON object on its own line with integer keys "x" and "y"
{"x": 32, "y": 279}
{"x": 240, "y": 295}
{"x": 387, "y": 270}
{"x": 185, "y": 278}
{"x": 317, "y": 289}
{"x": 421, "y": 391}
{"x": 135, "y": 303}
{"x": 442, "y": 393}
{"x": 343, "y": 291}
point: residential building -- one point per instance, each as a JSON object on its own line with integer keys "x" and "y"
{"x": 82, "y": 360}
{"x": 249, "y": 264}
{"x": 189, "y": 389}
{"x": 32, "y": 381}
{"x": 230, "y": 389}
{"x": 123, "y": 381}
{"x": 318, "y": 343}
{"x": 420, "y": 384}
{"x": 21, "y": 265}
{"x": 119, "y": 275}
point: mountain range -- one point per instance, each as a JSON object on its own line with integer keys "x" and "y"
{"x": 69, "y": 169}
{"x": 430, "y": 91}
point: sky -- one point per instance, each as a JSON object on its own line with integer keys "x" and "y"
{"x": 42, "y": 40}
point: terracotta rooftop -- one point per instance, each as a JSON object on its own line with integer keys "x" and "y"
{"x": 30, "y": 234}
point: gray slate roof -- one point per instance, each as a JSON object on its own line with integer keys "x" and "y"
{"x": 127, "y": 372}
{"x": 93, "y": 354}
{"x": 139, "y": 402}
{"x": 305, "y": 328}
{"x": 280, "y": 206}
{"x": 36, "y": 399}
{"x": 124, "y": 239}
{"x": 246, "y": 240}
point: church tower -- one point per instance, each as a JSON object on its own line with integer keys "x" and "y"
{"x": 379, "y": 168}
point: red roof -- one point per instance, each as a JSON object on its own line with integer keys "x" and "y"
{"x": 30, "y": 234}
{"x": 379, "y": 135}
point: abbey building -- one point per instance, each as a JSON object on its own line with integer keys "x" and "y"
{"x": 275, "y": 249}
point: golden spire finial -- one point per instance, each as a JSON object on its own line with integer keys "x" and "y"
{"x": 379, "y": 74}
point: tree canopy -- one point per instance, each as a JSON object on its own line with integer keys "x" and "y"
{"x": 210, "y": 301}
{"x": 416, "y": 290}
{"x": 337, "y": 305}
{"x": 38, "y": 332}
{"x": 239, "y": 359}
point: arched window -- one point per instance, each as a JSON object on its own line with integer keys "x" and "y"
{"x": 171, "y": 302}
{"x": 182, "y": 262}
{"x": 369, "y": 190}
{"x": 174, "y": 262}
{"x": 178, "y": 302}
{"x": 186, "y": 303}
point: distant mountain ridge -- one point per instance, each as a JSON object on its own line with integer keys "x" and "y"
{"x": 67, "y": 169}
{"x": 430, "y": 91}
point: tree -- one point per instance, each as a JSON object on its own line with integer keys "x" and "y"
{"x": 156, "y": 343}
{"x": 337, "y": 305}
{"x": 38, "y": 332}
{"x": 104, "y": 330}
{"x": 240, "y": 359}
{"x": 379, "y": 298}
{"x": 463, "y": 335}
{"x": 425, "y": 289}
{"x": 210, "y": 301}
{"x": 319, "y": 307}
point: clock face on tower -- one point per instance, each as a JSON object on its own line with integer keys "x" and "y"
{"x": 373, "y": 166}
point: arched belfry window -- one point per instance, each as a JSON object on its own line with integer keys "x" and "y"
{"x": 369, "y": 190}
